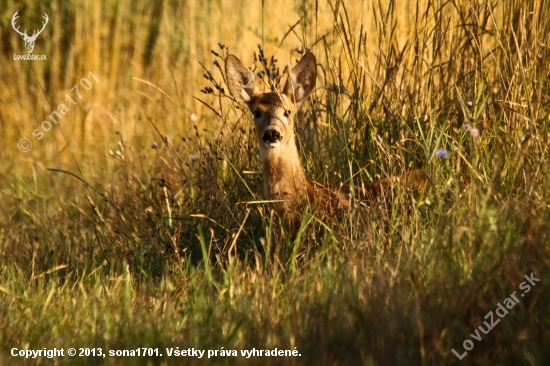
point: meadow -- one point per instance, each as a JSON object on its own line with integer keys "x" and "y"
{"x": 137, "y": 219}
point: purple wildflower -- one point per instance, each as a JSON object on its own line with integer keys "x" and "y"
{"x": 474, "y": 132}
{"x": 470, "y": 104}
{"x": 216, "y": 63}
{"x": 442, "y": 153}
{"x": 467, "y": 127}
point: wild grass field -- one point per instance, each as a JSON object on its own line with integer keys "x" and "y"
{"x": 138, "y": 219}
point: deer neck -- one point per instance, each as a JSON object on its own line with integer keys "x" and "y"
{"x": 284, "y": 177}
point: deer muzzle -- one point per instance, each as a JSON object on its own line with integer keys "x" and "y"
{"x": 272, "y": 137}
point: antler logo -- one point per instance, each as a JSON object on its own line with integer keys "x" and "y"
{"x": 29, "y": 41}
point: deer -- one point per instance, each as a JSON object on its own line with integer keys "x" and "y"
{"x": 285, "y": 183}
{"x": 29, "y": 41}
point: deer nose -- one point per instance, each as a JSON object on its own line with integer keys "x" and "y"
{"x": 272, "y": 136}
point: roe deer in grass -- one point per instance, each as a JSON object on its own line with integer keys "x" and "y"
{"x": 285, "y": 181}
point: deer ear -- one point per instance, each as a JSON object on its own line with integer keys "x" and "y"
{"x": 301, "y": 80}
{"x": 240, "y": 79}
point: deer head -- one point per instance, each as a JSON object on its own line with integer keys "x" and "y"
{"x": 29, "y": 41}
{"x": 274, "y": 111}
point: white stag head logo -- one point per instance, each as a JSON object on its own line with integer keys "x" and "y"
{"x": 29, "y": 41}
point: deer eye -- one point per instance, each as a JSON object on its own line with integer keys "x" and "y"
{"x": 287, "y": 113}
{"x": 257, "y": 114}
